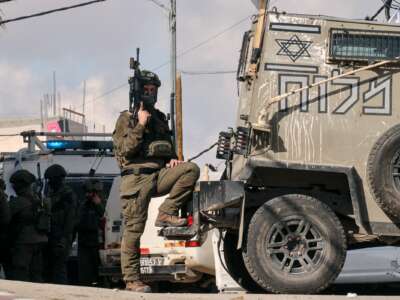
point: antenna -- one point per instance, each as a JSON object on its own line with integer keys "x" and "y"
{"x": 84, "y": 97}
{"x": 41, "y": 115}
{"x": 83, "y": 106}
{"x": 54, "y": 94}
{"x": 387, "y": 6}
{"x": 59, "y": 104}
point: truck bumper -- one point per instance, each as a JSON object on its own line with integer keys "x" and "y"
{"x": 150, "y": 273}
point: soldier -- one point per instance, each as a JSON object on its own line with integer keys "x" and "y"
{"x": 63, "y": 211}
{"x": 4, "y": 220}
{"x": 143, "y": 149}
{"x": 90, "y": 214}
{"x": 27, "y": 238}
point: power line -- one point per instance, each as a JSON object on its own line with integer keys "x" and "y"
{"x": 159, "y": 4}
{"x": 194, "y": 73}
{"x": 108, "y": 92}
{"x": 49, "y": 11}
{"x": 215, "y": 36}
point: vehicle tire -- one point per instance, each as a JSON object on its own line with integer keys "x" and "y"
{"x": 384, "y": 172}
{"x": 235, "y": 264}
{"x": 295, "y": 245}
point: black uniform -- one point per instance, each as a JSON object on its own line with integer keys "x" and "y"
{"x": 27, "y": 238}
{"x": 63, "y": 214}
{"x": 5, "y": 217}
{"x": 63, "y": 218}
{"x": 90, "y": 215}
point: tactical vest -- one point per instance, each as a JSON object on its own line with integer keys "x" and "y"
{"x": 155, "y": 146}
{"x": 157, "y": 138}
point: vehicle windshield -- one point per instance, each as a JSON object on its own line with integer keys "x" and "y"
{"x": 76, "y": 184}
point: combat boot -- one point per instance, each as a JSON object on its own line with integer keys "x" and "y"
{"x": 166, "y": 220}
{"x": 137, "y": 286}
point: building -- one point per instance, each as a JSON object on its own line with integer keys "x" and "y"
{"x": 70, "y": 121}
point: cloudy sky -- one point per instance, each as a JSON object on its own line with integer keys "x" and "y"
{"x": 94, "y": 43}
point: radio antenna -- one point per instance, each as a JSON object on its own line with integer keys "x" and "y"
{"x": 388, "y": 6}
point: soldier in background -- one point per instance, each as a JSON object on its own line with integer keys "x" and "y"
{"x": 63, "y": 215}
{"x": 5, "y": 217}
{"x": 90, "y": 214}
{"x": 27, "y": 237}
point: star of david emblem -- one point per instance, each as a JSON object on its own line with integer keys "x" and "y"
{"x": 294, "y": 48}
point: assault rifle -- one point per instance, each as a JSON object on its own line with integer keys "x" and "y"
{"x": 39, "y": 182}
{"x": 42, "y": 213}
{"x": 135, "y": 88}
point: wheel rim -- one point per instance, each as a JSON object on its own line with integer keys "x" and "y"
{"x": 295, "y": 245}
{"x": 395, "y": 170}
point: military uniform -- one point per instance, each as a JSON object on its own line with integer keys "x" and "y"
{"x": 27, "y": 239}
{"x": 144, "y": 176}
{"x": 89, "y": 219}
{"x": 63, "y": 205}
{"x": 5, "y": 217}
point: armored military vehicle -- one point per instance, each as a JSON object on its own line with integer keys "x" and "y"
{"x": 313, "y": 165}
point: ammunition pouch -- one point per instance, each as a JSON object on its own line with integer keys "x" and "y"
{"x": 42, "y": 220}
{"x": 159, "y": 149}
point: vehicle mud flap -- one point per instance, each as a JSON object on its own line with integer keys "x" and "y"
{"x": 241, "y": 226}
{"x": 235, "y": 266}
{"x": 383, "y": 171}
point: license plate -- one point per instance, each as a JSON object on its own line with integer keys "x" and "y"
{"x": 147, "y": 264}
{"x": 151, "y": 261}
{"x": 147, "y": 270}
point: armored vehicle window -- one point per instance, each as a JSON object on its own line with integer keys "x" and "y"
{"x": 360, "y": 45}
{"x": 76, "y": 183}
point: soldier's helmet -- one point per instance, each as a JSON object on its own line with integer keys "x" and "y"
{"x": 55, "y": 171}
{"x": 22, "y": 178}
{"x": 148, "y": 77}
{"x": 93, "y": 185}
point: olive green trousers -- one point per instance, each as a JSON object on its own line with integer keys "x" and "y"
{"x": 178, "y": 182}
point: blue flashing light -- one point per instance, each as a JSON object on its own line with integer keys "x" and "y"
{"x": 57, "y": 144}
{"x": 81, "y": 145}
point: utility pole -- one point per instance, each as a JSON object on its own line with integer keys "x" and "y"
{"x": 172, "y": 27}
{"x": 179, "y": 117}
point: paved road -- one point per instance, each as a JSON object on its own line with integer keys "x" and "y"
{"x": 13, "y": 290}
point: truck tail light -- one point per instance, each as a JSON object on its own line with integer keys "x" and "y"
{"x": 185, "y": 244}
{"x": 190, "y": 220}
{"x": 192, "y": 244}
{"x": 144, "y": 251}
